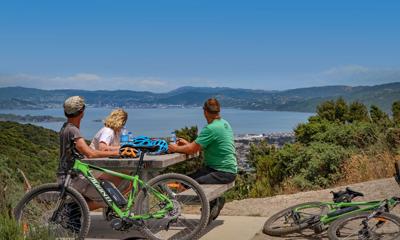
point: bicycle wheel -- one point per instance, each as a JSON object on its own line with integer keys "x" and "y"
{"x": 189, "y": 215}
{"x": 295, "y": 218}
{"x": 384, "y": 226}
{"x": 38, "y": 212}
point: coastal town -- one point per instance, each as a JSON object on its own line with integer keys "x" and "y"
{"x": 244, "y": 141}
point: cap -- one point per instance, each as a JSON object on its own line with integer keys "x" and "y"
{"x": 73, "y": 105}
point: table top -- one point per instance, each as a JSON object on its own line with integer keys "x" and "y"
{"x": 150, "y": 161}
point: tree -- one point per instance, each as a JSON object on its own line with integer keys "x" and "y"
{"x": 396, "y": 113}
{"x": 341, "y": 110}
{"x": 358, "y": 112}
{"x": 188, "y": 133}
{"x": 326, "y": 110}
{"x": 378, "y": 116}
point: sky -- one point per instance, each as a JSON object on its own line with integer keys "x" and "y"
{"x": 162, "y": 45}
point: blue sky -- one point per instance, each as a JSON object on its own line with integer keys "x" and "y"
{"x": 162, "y": 45}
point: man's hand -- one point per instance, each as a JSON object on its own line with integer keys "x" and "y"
{"x": 181, "y": 141}
{"x": 172, "y": 147}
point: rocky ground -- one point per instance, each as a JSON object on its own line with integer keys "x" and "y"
{"x": 265, "y": 207}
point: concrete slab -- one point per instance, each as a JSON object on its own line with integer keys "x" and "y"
{"x": 233, "y": 228}
{"x": 225, "y": 227}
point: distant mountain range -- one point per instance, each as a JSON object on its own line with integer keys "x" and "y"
{"x": 301, "y": 99}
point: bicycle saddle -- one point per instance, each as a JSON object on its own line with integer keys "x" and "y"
{"x": 346, "y": 196}
{"x": 354, "y": 193}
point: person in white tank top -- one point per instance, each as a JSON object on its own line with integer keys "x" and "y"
{"x": 107, "y": 138}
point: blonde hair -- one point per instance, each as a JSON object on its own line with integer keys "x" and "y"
{"x": 116, "y": 119}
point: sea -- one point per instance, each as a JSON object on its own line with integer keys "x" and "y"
{"x": 160, "y": 122}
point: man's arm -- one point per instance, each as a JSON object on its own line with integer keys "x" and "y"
{"x": 189, "y": 148}
{"x": 83, "y": 148}
{"x": 104, "y": 147}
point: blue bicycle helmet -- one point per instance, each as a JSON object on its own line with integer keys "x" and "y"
{"x": 162, "y": 146}
{"x": 143, "y": 141}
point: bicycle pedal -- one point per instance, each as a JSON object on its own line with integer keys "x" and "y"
{"x": 135, "y": 223}
{"x": 319, "y": 228}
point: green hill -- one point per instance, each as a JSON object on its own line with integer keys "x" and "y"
{"x": 301, "y": 99}
{"x": 30, "y": 148}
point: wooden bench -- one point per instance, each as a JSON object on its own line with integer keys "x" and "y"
{"x": 212, "y": 192}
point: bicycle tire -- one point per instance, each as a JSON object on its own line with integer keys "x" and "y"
{"x": 50, "y": 189}
{"x": 274, "y": 231}
{"x": 334, "y": 227}
{"x": 158, "y": 182}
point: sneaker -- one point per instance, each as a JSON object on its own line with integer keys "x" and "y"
{"x": 215, "y": 208}
{"x": 213, "y": 211}
{"x": 220, "y": 204}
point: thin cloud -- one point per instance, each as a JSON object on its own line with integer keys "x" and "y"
{"x": 87, "y": 81}
{"x": 84, "y": 77}
{"x": 343, "y": 70}
{"x": 355, "y": 75}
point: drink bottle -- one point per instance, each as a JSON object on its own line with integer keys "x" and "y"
{"x": 173, "y": 137}
{"x": 124, "y": 136}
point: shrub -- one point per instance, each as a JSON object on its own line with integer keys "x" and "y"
{"x": 320, "y": 163}
{"x": 356, "y": 135}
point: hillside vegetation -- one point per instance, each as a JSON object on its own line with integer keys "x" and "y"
{"x": 301, "y": 99}
{"x": 32, "y": 149}
{"x": 343, "y": 143}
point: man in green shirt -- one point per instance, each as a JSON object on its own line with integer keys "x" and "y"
{"x": 217, "y": 142}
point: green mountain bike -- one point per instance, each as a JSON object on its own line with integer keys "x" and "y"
{"x": 159, "y": 209}
{"x": 318, "y": 215}
{"x": 376, "y": 225}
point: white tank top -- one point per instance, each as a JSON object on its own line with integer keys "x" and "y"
{"x": 106, "y": 135}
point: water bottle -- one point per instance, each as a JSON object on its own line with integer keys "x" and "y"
{"x": 124, "y": 136}
{"x": 173, "y": 137}
{"x": 130, "y": 136}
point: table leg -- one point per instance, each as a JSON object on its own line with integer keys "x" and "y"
{"x": 146, "y": 175}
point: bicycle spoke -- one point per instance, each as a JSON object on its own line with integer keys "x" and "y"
{"x": 46, "y": 212}
{"x": 355, "y": 228}
{"x": 182, "y": 220}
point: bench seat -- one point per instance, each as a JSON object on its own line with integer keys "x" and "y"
{"x": 212, "y": 192}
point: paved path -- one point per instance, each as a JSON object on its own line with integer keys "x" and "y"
{"x": 254, "y": 213}
{"x": 225, "y": 227}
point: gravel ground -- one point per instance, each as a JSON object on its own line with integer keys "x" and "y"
{"x": 265, "y": 207}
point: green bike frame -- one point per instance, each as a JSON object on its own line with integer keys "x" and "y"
{"x": 125, "y": 212}
{"x": 333, "y": 207}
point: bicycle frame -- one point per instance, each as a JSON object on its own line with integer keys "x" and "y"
{"x": 368, "y": 206}
{"x": 126, "y": 212}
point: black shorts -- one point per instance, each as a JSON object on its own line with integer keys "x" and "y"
{"x": 206, "y": 175}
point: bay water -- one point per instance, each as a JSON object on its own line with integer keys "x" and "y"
{"x": 156, "y": 122}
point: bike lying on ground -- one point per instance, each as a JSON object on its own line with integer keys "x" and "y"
{"x": 318, "y": 215}
{"x": 366, "y": 225}
{"x": 378, "y": 224}
{"x": 156, "y": 208}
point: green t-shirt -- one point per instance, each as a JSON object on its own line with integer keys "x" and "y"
{"x": 216, "y": 140}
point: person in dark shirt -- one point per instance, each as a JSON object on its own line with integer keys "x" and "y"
{"x": 72, "y": 144}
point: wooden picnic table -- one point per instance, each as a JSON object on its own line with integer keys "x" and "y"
{"x": 152, "y": 163}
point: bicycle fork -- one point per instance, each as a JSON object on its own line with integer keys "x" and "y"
{"x": 61, "y": 199}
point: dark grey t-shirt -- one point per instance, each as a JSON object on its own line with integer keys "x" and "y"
{"x": 69, "y": 133}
